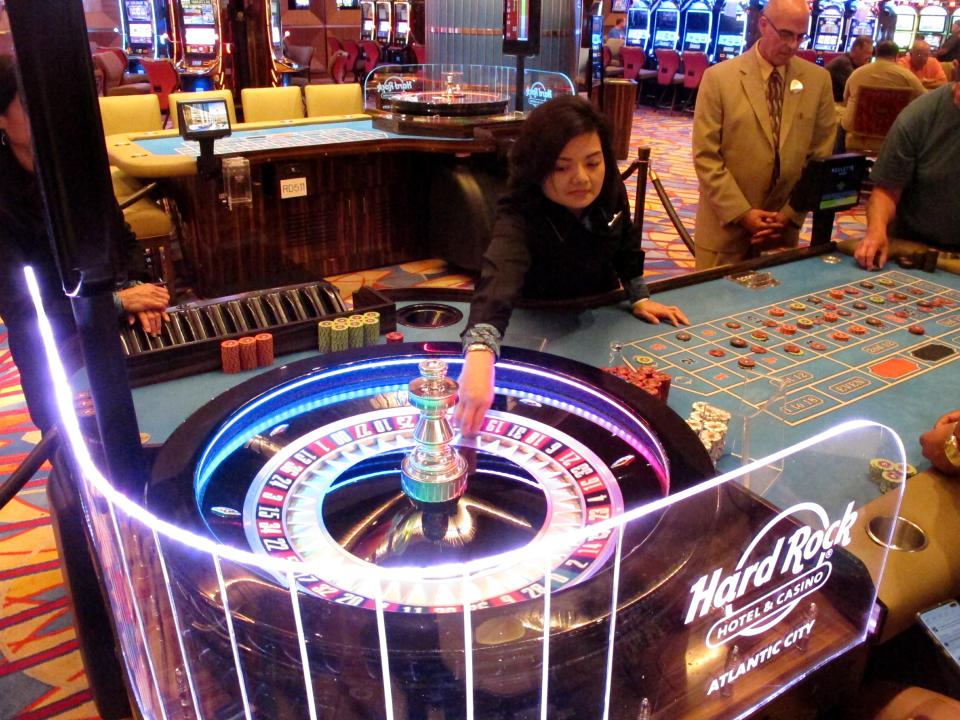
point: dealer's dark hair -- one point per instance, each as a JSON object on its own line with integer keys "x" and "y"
{"x": 8, "y": 81}
{"x": 887, "y": 49}
{"x": 547, "y": 130}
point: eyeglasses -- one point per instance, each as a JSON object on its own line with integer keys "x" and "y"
{"x": 787, "y": 35}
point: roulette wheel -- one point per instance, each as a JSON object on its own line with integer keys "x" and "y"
{"x": 319, "y": 462}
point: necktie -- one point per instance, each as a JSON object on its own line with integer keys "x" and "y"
{"x": 775, "y": 108}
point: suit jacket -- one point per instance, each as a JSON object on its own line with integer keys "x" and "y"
{"x": 733, "y": 149}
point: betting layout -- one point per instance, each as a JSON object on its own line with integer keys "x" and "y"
{"x": 825, "y": 350}
{"x": 278, "y": 140}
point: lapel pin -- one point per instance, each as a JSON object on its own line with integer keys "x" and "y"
{"x": 796, "y": 86}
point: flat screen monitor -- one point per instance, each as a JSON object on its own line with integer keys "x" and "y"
{"x": 368, "y": 26}
{"x": 141, "y": 32}
{"x": 666, "y": 20}
{"x": 200, "y": 119}
{"x": 200, "y": 36}
{"x": 298, "y": 5}
{"x": 138, "y": 10}
{"x": 731, "y": 25}
{"x": 698, "y": 22}
{"x": 346, "y": 4}
{"x": 932, "y": 24}
{"x": 403, "y": 28}
{"x": 905, "y": 21}
{"x": 197, "y": 12}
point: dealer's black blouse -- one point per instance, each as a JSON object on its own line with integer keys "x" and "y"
{"x": 540, "y": 250}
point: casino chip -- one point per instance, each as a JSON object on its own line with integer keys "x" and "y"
{"x": 902, "y": 313}
{"x": 839, "y": 336}
{"x": 836, "y": 293}
{"x": 877, "y": 299}
{"x": 857, "y": 330}
{"x": 831, "y": 317}
{"x": 816, "y": 345}
{"x": 860, "y": 305}
{"x": 829, "y": 306}
{"x": 683, "y": 336}
{"x": 746, "y": 362}
{"x": 760, "y": 335}
{"x": 787, "y": 329}
{"x": 843, "y": 312}
{"x": 874, "y": 321}
{"x": 798, "y": 306}
{"x": 777, "y": 311}
{"x": 916, "y": 291}
{"x": 886, "y": 282}
{"x": 805, "y": 323}
{"x": 814, "y": 299}
{"x": 758, "y": 349}
{"x": 738, "y": 342}
{"x": 733, "y": 324}
{"x": 716, "y": 352}
{"x": 867, "y": 285}
{"x": 916, "y": 329}
{"x": 851, "y": 291}
{"x": 770, "y": 323}
{"x": 793, "y": 349}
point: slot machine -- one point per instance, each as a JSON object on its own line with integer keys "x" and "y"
{"x": 384, "y": 22}
{"x": 697, "y": 19}
{"x": 863, "y": 22}
{"x": 731, "y": 29}
{"x": 144, "y": 28}
{"x": 932, "y": 25}
{"x": 278, "y": 64}
{"x": 666, "y": 26}
{"x": 368, "y": 20}
{"x": 401, "y": 24}
{"x": 198, "y": 43}
{"x": 826, "y": 31}
{"x": 638, "y": 24}
{"x": 906, "y": 26}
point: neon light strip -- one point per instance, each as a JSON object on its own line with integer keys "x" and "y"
{"x": 614, "y": 602}
{"x": 279, "y": 565}
{"x": 302, "y": 643}
{"x": 234, "y": 646}
{"x": 468, "y": 647}
{"x": 384, "y": 657}
{"x": 544, "y": 662}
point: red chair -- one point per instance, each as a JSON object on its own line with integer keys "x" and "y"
{"x": 669, "y": 77}
{"x": 338, "y": 66}
{"x": 116, "y": 81}
{"x": 420, "y": 52}
{"x": 633, "y": 59}
{"x": 371, "y": 56}
{"x": 164, "y": 79}
{"x": 694, "y": 65}
{"x": 609, "y": 69}
{"x": 353, "y": 52}
{"x": 808, "y": 55}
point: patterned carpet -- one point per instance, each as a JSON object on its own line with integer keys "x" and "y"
{"x": 41, "y": 675}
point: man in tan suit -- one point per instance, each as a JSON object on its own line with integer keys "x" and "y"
{"x": 745, "y": 175}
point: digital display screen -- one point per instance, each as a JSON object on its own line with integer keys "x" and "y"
{"x": 731, "y": 25}
{"x": 841, "y": 186}
{"x": 200, "y": 36}
{"x": 344, "y": 4}
{"x": 403, "y": 28}
{"x": 635, "y": 36}
{"x": 638, "y": 20}
{"x": 203, "y": 118}
{"x": 932, "y": 24}
{"x": 905, "y": 21}
{"x": 698, "y": 23}
{"x": 368, "y": 25}
{"x": 516, "y": 20}
{"x": 666, "y": 20}
{"x": 198, "y": 12}
{"x": 298, "y": 5}
{"x": 139, "y": 10}
{"x": 141, "y": 33}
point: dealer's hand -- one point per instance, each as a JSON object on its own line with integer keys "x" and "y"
{"x": 147, "y": 304}
{"x": 653, "y": 312}
{"x": 476, "y": 391}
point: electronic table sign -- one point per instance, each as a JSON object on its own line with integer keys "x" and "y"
{"x": 521, "y": 27}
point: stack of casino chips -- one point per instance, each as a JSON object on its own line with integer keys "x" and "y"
{"x": 888, "y": 474}
{"x": 645, "y": 377}
{"x": 246, "y": 353}
{"x": 710, "y": 423}
{"x": 353, "y": 331}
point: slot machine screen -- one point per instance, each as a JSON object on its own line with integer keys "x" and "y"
{"x": 403, "y": 28}
{"x": 698, "y": 29}
{"x": 198, "y": 12}
{"x": 637, "y": 24}
{"x": 905, "y": 21}
{"x": 200, "y": 39}
{"x": 731, "y": 30}
{"x": 666, "y": 20}
{"x": 138, "y": 10}
{"x": 141, "y": 33}
{"x": 368, "y": 26}
{"x": 931, "y": 24}
{"x": 346, "y": 4}
{"x": 298, "y": 5}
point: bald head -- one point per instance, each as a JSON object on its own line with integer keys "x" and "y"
{"x": 783, "y": 26}
{"x": 919, "y": 54}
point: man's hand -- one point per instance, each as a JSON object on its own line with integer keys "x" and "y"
{"x": 934, "y": 440}
{"x": 146, "y": 303}
{"x": 476, "y": 391}
{"x": 763, "y": 225}
{"x": 653, "y": 312}
{"x": 871, "y": 252}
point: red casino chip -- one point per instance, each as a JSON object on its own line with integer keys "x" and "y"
{"x": 716, "y": 352}
{"x": 777, "y": 311}
{"x": 787, "y": 329}
{"x": 759, "y": 335}
{"x": 793, "y": 349}
{"x": 758, "y": 349}
{"x": 771, "y": 323}
{"x": 917, "y": 329}
{"x": 839, "y": 336}
{"x": 248, "y": 353}
{"x": 836, "y": 294}
{"x": 831, "y": 317}
{"x": 264, "y": 349}
{"x": 851, "y": 291}
{"x": 230, "y": 356}
{"x": 394, "y": 337}
{"x": 902, "y": 313}
{"x": 817, "y": 345}
{"x": 829, "y": 306}
{"x": 747, "y": 362}
{"x": 857, "y": 330}
{"x": 917, "y": 291}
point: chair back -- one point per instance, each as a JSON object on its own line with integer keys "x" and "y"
{"x": 808, "y": 55}
{"x": 204, "y": 95}
{"x": 420, "y": 52}
{"x": 338, "y": 66}
{"x": 949, "y": 68}
{"x": 271, "y": 103}
{"x": 694, "y": 65}
{"x": 333, "y": 45}
{"x": 877, "y": 108}
{"x": 371, "y": 54}
{"x": 111, "y": 67}
{"x": 615, "y": 45}
{"x": 130, "y": 114}
{"x": 164, "y": 79}
{"x": 668, "y": 64}
{"x": 353, "y": 52}
{"x": 633, "y": 59}
{"x": 300, "y": 54}
{"x": 345, "y": 99}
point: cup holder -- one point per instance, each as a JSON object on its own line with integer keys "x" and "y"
{"x": 906, "y": 536}
{"x": 428, "y": 315}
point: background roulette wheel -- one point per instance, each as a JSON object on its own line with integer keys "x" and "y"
{"x": 304, "y": 463}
